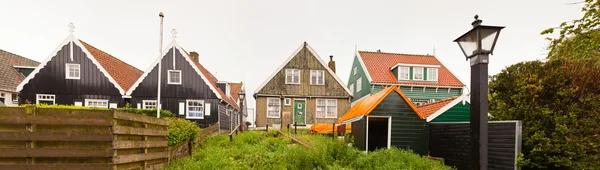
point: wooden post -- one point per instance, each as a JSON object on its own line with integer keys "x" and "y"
{"x": 267, "y": 128}
{"x": 333, "y": 131}
{"x": 230, "y": 138}
{"x": 295, "y": 127}
{"x": 31, "y": 110}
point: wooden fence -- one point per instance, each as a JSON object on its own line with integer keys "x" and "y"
{"x": 186, "y": 148}
{"x": 45, "y": 138}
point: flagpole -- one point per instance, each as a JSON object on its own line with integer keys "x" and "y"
{"x": 161, "y": 15}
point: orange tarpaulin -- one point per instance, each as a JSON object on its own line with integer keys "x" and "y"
{"x": 326, "y": 128}
{"x": 365, "y": 106}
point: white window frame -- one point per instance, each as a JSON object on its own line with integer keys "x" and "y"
{"x": 227, "y": 90}
{"x": 278, "y": 108}
{"x": 15, "y": 97}
{"x": 149, "y": 101}
{"x": 400, "y": 73}
{"x": 169, "y": 77}
{"x": 351, "y": 88}
{"x": 45, "y": 97}
{"x": 68, "y": 68}
{"x": 358, "y": 84}
{"x": 326, "y": 111}
{"x": 430, "y": 71}
{"x": 287, "y": 101}
{"x": 355, "y": 70}
{"x": 88, "y": 101}
{"x": 187, "y": 109}
{"x": 292, "y": 72}
{"x": 415, "y": 73}
{"x": 316, "y": 73}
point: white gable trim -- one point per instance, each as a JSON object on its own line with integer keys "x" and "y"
{"x": 279, "y": 68}
{"x": 415, "y": 65}
{"x": 459, "y": 100}
{"x": 173, "y": 44}
{"x": 362, "y": 64}
{"x": 318, "y": 59}
{"x": 69, "y": 39}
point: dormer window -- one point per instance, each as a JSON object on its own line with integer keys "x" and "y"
{"x": 72, "y": 71}
{"x": 403, "y": 73}
{"x": 417, "y": 73}
{"x": 432, "y": 74}
{"x": 228, "y": 90}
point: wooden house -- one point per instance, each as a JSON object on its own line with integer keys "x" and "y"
{"x": 387, "y": 119}
{"x": 188, "y": 89}
{"x": 422, "y": 78}
{"x": 13, "y": 70}
{"x": 454, "y": 109}
{"x": 303, "y": 90}
{"x": 77, "y": 73}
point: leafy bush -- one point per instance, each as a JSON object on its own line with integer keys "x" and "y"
{"x": 181, "y": 130}
{"x": 147, "y": 112}
{"x": 260, "y": 150}
{"x": 558, "y": 102}
{"x": 54, "y": 106}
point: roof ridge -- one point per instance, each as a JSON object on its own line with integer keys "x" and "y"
{"x": 10, "y": 53}
{"x": 420, "y": 55}
{"x": 432, "y": 103}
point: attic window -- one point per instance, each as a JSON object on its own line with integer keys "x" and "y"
{"x": 292, "y": 76}
{"x": 417, "y": 73}
{"x": 72, "y": 71}
{"x": 432, "y": 74}
{"x": 228, "y": 90}
{"x": 317, "y": 77}
{"x": 403, "y": 73}
{"x": 174, "y": 77}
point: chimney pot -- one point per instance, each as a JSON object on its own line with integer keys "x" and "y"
{"x": 378, "y": 50}
{"x": 194, "y": 56}
{"x": 331, "y": 63}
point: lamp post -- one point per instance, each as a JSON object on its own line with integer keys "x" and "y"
{"x": 242, "y": 96}
{"x": 477, "y": 44}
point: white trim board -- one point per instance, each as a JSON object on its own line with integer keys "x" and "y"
{"x": 70, "y": 38}
{"x": 362, "y": 64}
{"x": 155, "y": 64}
{"x": 415, "y": 65}
{"x": 463, "y": 98}
{"x": 304, "y": 44}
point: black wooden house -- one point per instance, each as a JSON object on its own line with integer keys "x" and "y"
{"x": 188, "y": 90}
{"x": 76, "y": 73}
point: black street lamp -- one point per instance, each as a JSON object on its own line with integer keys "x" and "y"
{"x": 242, "y": 96}
{"x": 477, "y": 45}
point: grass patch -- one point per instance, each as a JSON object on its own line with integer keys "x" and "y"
{"x": 260, "y": 150}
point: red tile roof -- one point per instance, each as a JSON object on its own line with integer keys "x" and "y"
{"x": 430, "y": 108}
{"x": 124, "y": 74}
{"x": 10, "y": 78}
{"x": 366, "y": 105}
{"x": 235, "y": 89}
{"x": 213, "y": 81}
{"x": 378, "y": 65}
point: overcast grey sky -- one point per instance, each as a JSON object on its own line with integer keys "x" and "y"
{"x": 247, "y": 40}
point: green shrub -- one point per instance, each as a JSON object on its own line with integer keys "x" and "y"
{"x": 181, "y": 130}
{"x": 54, "y": 106}
{"x": 147, "y": 112}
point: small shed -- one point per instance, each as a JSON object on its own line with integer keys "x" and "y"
{"x": 387, "y": 119}
{"x": 455, "y": 109}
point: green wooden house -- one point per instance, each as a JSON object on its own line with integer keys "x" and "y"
{"x": 387, "y": 119}
{"x": 422, "y": 78}
{"x": 455, "y": 109}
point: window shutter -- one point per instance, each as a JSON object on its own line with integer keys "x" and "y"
{"x": 181, "y": 108}
{"x": 78, "y": 103}
{"x": 207, "y": 109}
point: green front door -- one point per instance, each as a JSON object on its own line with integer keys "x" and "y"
{"x": 299, "y": 112}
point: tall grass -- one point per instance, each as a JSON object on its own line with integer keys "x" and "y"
{"x": 259, "y": 150}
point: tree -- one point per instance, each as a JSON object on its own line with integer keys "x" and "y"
{"x": 579, "y": 38}
{"x": 559, "y": 104}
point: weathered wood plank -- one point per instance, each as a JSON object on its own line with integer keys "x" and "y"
{"x": 73, "y": 112}
{"x": 55, "y": 120}
{"x": 87, "y": 166}
{"x": 71, "y": 153}
{"x": 120, "y": 159}
{"x": 140, "y": 118}
{"x": 13, "y": 111}
{"x": 45, "y": 136}
{"x": 126, "y": 130}
{"x": 139, "y": 144}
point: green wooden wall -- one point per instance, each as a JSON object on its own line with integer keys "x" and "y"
{"x": 359, "y": 129}
{"x": 408, "y": 130}
{"x": 366, "y": 86}
{"x": 458, "y": 113}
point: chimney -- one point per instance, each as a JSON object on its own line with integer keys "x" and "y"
{"x": 194, "y": 56}
{"x": 331, "y": 63}
{"x": 378, "y": 50}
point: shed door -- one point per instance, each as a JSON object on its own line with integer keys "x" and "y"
{"x": 299, "y": 111}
